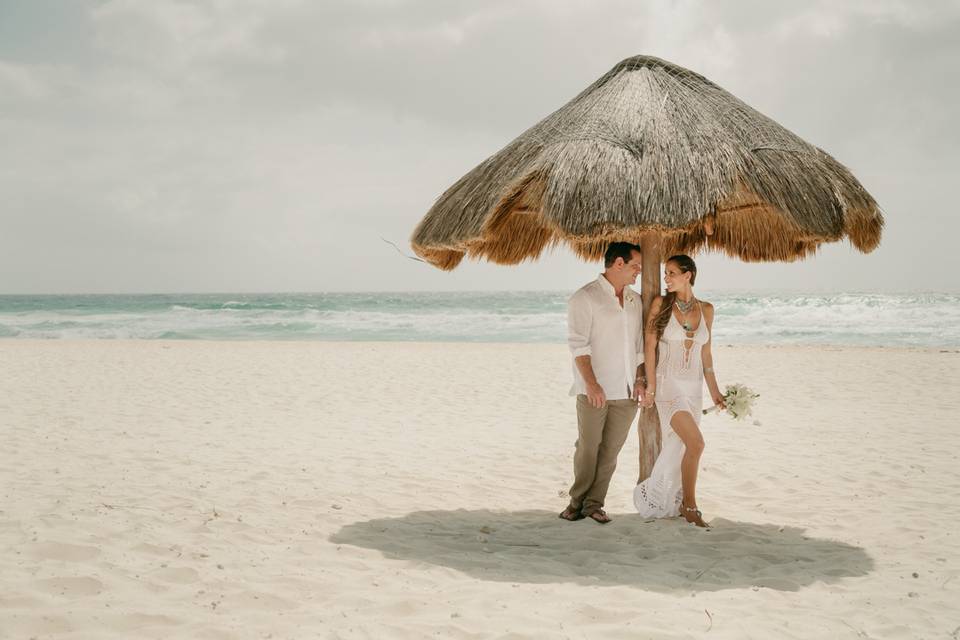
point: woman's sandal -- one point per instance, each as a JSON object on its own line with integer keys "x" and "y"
{"x": 692, "y": 515}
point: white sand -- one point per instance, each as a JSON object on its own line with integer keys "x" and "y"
{"x": 304, "y": 490}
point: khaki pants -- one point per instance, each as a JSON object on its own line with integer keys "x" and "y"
{"x": 602, "y": 434}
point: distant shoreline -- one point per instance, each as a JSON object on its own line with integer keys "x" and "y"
{"x": 927, "y": 320}
{"x": 704, "y": 293}
{"x": 27, "y": 343}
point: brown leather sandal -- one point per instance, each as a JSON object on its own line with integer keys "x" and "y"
{"x": 600, "y": 516}
{"x": 571, "y": 514}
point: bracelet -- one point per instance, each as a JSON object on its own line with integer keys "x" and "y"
{"x": 708, "y": 369}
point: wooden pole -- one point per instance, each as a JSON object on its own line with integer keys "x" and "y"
{"x": 648, "y": 427}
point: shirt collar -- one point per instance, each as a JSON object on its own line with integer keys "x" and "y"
{"x": 629, "y": 294}
{"x": 605, "y": 284}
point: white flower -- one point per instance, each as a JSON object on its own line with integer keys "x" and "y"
{"x": 739, "y": 401}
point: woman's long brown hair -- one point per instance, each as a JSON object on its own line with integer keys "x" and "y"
{"x": 686, "y": 265}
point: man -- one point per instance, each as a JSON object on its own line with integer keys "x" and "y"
{"x": 606, "y": 339}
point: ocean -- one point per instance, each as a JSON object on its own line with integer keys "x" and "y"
{"x": 929, "y": 320}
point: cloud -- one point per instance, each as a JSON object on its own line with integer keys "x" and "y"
{"x": 172, "y": 36}
{"x": 825, "y": 19}
{"x": 22, "y": 82}
{"x": 263, "y": 144}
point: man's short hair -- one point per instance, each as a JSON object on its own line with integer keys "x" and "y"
{"x": 619, "y": 250}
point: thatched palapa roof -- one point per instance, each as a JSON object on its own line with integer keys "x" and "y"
{"x": 651, "y": 146}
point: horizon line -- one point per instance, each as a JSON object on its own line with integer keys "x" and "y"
{"x": 479, "y": 291}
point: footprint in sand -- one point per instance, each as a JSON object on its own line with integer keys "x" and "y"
{"x": 71, "y": 587}
{"x": 263, "y": 601}
{"x": 179, "y": 575}
{"x": 62, "y": 551}
{"x": 153, "y": 549}
{"x": 137, "y": 621}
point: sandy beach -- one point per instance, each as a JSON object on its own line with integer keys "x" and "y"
{"x": 155, "y": 489}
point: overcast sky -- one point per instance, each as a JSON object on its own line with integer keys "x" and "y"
{"x": 267, "y": 145}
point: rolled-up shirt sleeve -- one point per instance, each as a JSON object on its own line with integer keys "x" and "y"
{"x": 578, "y": 325}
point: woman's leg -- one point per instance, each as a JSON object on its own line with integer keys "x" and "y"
{"x": 685, "y": 427}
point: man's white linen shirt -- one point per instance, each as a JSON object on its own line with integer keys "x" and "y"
{"x": 610, "y": 334}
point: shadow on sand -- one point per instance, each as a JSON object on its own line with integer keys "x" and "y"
{"x": 662, "y": 555}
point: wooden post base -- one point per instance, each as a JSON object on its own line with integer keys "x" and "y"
{"x": 648, "y": 428}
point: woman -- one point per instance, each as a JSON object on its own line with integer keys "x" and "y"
{"x": 682, "y": 327}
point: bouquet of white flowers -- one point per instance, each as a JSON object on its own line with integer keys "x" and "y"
{"x": 739, "y": 400}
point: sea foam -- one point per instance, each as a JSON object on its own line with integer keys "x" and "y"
{"x": 919, "y": 320}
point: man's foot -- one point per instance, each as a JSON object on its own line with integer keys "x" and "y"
{"x": 600, "y": 516}
{"x": 571, "y": 514}
{"x": 692, "y": 515}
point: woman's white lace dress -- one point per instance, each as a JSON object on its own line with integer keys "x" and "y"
{"x": 679, "y": 388}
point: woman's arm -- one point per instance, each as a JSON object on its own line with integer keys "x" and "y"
{"x": 650, "y": 351}
{"x": 706, "y": 355}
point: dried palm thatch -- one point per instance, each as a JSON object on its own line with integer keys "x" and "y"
{"x": 651, "y": 146}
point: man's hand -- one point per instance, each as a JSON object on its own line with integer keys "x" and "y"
{"x": 638, "y": 387}
{"x": 596, "y": 396}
